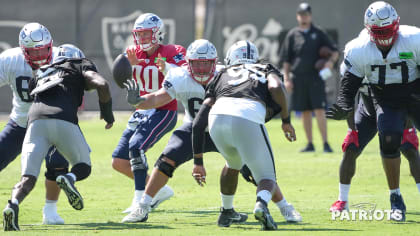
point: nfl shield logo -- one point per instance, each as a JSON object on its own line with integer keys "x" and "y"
{"x": 117, "y": 36}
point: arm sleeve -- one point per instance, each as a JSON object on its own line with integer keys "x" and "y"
{"x": 349, "y": 86}
{"x": 198, "y": 130}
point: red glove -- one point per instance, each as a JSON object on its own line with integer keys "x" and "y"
{"x": 352, "y": 137}
{"x": 410, "y": 136}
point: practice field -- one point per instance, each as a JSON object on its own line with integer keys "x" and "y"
{"x": 308, "y": 181}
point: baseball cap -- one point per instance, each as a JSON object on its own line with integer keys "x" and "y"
{"x": 304, "y": 7}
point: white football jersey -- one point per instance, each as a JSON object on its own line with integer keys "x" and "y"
{"x": 181, "y": 86}
{"x": 363, "y": 59}
{"x": 15, "y": 72}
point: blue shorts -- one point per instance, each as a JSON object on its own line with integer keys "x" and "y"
{"x": 11, "y": 140}
{"x": 149, "y": 130}
{"x": 365, "y": 124}
{"x": 179, "y": 147}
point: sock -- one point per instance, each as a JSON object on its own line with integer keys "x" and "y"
{"x": 264, "y": 195}
{"x": 227, "y": 201}
{"x": 146, "y": 199}
{"x": 50, "y": 206}
{"x": 397, "y": 191}
{"x": 138, "y": 194}
{"x": 73, "y": 176}
{"x": 282, "y": 203}
{"x": 14, "y": 201}
{"x": 343, "y": 194}
{"x": 418, "y": 186}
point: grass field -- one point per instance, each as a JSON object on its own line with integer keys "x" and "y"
{"x": 309, "y": 182}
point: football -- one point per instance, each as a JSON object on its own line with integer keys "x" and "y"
{"x": 121, "y": 70}
{"x": 320, "y": 63}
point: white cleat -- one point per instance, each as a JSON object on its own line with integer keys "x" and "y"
{"x": 290, "y": 214}
{"x": 139, "y": 214}
{"x": 52, "y": 219}
{"x": 164, "y": 194}
{"x": 131, "y": 207}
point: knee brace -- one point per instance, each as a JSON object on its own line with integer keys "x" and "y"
{"x": 390, "y": 144}
{"x": 247, "y": 175}
{"x": 164, "y": 167}
{"x": 138, "y": 160}
{"x": 81, "y": 171}
{"x": 52, "y": 173}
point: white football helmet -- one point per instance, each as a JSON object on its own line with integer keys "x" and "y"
{"x": 36, "y": 43}
{"x": 382, "y": 23}
{"x": 241, "y": 52}
{"x": 201, "y": 57}
{"x": 148, "y": 22}
{"x": 67, "y": 51}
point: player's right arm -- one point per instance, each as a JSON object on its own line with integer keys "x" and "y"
{"x": 155, "y": 99}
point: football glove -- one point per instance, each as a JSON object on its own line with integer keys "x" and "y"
{"x": 133, "y": 93}
{"x": 337, "y": 113}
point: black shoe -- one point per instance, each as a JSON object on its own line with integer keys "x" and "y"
{"x": 327, "y": 148}
{"x": 262, "y": 214}
{"x": 10, "y": 217}
{"x": 66, "y": 183}
{"x": 397, "y": 207}
{"x": 229, "y": 216}
{"x": 309, "y": 148}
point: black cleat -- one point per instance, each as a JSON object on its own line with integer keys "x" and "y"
{"x": 262, "y": 214}
{"x": 309, "y": 148}
{"x": 229, "y": 216}
{"x": 66, "y": 183}
{"x": 397, "y": 207}
{"x": 10, "y": 217}
{"x": 327, "y": 148}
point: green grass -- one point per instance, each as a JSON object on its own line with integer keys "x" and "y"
{"x": 309, "y": 181}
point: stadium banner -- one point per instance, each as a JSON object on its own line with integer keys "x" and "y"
{"x": 101, "y": 28}
{"x": 267, "y": 22}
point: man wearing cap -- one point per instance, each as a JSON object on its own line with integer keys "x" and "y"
{"x": 301, "y": 52}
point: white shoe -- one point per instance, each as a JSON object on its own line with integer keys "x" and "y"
{"x": 52, "y": 219}
{"x": 290, "y": 214}
{"x": 139, "y": 214}
{"x": 164, "y": 194}
{"x": 132, "y": 206}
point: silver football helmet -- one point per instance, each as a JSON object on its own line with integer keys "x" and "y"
{"x": 201, "y": 57}
{"x": 36, "y": 43}
{"x": 148, "y": 22}
{"x": 241, "y": 52}
{"x": 382, "y": 23}
{"x": 67, "y": 51}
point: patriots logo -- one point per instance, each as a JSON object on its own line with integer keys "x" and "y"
{"x": 154, "y": 18}
{"x": 179, "y": 57}
{"x": 167, "y": 84}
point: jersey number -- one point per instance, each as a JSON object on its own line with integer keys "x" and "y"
{"x": 22, "y": 88}
{"x": 194, "y": 105}
{"x": 394, "y": 66}
{"x": 244, "y": 74}
{"x": 149, "y": 81}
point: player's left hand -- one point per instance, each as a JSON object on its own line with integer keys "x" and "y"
{"x": 160, "y": 62}
{"x": 289, "y": 131}
{"x": 199, "y": 174}
{"x": 337, "y": 113}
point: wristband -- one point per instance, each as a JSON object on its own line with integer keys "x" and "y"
{"x": 286, "y": 120}
{"x": 106, "y": 111}
{"x": 198, "y": 161}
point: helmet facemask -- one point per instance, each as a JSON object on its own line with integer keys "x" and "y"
{"x": 38, "y": 56}
{"x": 146, "y": 38}
{"x": 384, "y": 36}
{"x": 202, "y": 70}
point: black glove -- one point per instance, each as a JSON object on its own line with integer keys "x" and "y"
{"x": 337, "y": 113}
{"x": 247, "y": 175}
{"x": 133, "y": 92}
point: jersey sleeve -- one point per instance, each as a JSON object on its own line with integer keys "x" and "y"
{"x": 171, "y": 83}
{"x": 286, "y": 52}
{"x": 326, "y": 41}
{"x": 353, "y": 61}
{"x": 4, "y": 62}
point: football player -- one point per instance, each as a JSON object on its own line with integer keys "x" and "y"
{"x": 186, "y": 84}
{"x": 17, "y": 66}
{"x": 388, "y": 58}
{"x": 146, "y": 127}
{"x": 58, "y": 92}
{"x": 238, "y": 98}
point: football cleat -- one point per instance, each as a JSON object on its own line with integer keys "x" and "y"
{"x": 10, "y": 217}
{"x": 262, "y": 214}
{"x": 309, "y": 148}
{"x": 339, "y": 206}
{"x": 138, "y": 214}
{"x": 164, "y": 194}
{"x": 51, "y": 218}
{"x": 229, "y": 216}
{"x": 66, "y": 183}
{"x": 397, "y": 207}
{"x": 290, "y": 214}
